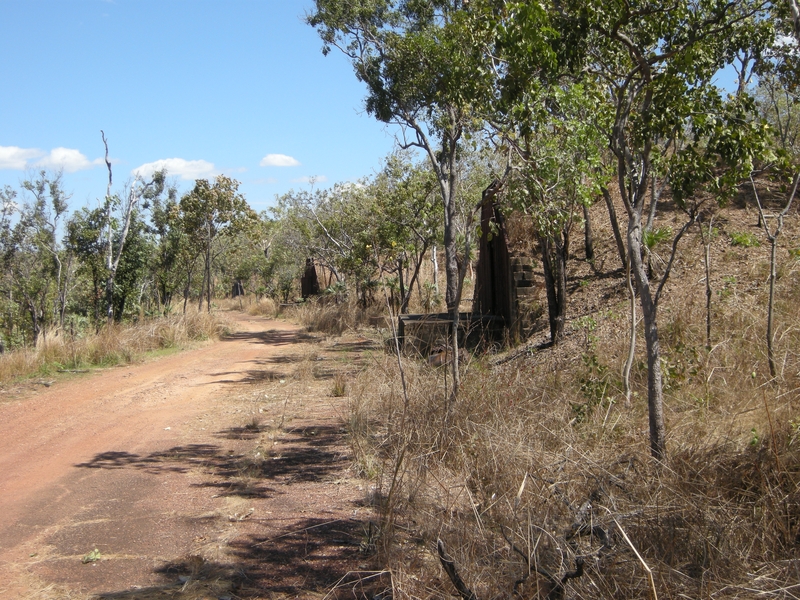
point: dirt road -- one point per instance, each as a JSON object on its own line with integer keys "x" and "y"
{"x": 219, "y": 472}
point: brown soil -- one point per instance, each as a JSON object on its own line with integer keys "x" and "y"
{"x": 219, "y": 472}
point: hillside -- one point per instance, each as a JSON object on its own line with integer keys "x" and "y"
{"x": 541, "y": 461}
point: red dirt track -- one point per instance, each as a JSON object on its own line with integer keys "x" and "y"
{"x": 212, "y": 473}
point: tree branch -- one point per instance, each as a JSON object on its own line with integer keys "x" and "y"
{"x": 449, "y": 567}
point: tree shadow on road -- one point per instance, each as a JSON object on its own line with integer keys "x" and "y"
{"x": 306, "y": 557}
{"x": 309, "y": 558}
{"x": 305, "y": 455}
{"x": 270, "y": 337}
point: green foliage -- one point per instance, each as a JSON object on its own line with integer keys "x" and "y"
{"x": 596, "y": 385}
{"x": 425, "y": 70}
{"x": 92, "y": 556}
{"x": 744, "y": 239}
{"x": 361, "y": 232}
{"x": 755, "y": 439}
{"x": 34, "y": 276}
{"x": 653, "y": 237}
{"x": 211, "y": 215}
{"x": 587, "y": 324}
{"x": 136, "y": 257}
{"x": 680, "y": 366}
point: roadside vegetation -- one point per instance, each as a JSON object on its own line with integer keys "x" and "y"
{"x": 117, "y": 343}
{"x": 542, "y": 463}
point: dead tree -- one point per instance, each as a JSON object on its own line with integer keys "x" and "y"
{"x": 772, "y": 236}
{"x": 134, "y": 194}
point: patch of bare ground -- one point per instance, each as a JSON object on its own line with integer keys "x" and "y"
{"x": 220, "y": 472}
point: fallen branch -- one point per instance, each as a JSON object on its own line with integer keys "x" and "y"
{"x": 449, "y": 567}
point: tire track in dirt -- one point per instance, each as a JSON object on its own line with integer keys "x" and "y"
{"x": 192, "y": 475}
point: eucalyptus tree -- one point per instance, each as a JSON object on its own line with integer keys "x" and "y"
{"x": 211, "y": 214}
{"x": 116, "y": 226}
{"x": 171, "y": 262}
{"x": 778, "y": 105}
{"x": 32, "y": 254}
{"x": 47, "y": 209}
{"x": 657, "y": 63}
{"x": 557, "y": 150}
{"x": 777, "y": 101}
{"x": 85, "y": 240}
{"x": 329, "y": 226}
{"x": 133, "y": 277}
{"x": 406, "y": 219}
{"x": 8, "y": 207}
{"x": 259, "y": 255}
{"x": 423, "y": 72}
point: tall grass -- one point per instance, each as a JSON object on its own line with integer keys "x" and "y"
{"x": 264, "y": 307}
{"x": 332, "y": 318}
{"x": 540, "y": 464}
{"x": 113, "y": 344}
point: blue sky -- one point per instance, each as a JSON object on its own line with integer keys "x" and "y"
{"x": 238, "y": 87}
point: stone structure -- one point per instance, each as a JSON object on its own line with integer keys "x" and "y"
{"x": 504, "y": 283}
{"x": 309, "y": 283}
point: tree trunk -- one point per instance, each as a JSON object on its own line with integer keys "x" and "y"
{"x": 706, "y": 239}
{"x": 626, "y": 370}
{"x": 63, "y": 310}
{"x": 109, "y": 243}
{"x": 35, "y": 324}
{"x": 435, "y": 261}
{"x": 554, "y": 263}
{"x": 655, "y": 392}
{"x": 450, "y": 251}
{"x": 110, "y": 298}
{"x": 612, "y": 214}
{"x": 772, "y": 276}
{"x": 202, "y": 291}
{"x": 187, "y": 290}
{"x": 414, "y": 277}
{"x": 401, "y": 285}
{"x": 654, "y": 197}
{"x": 588, "y": 236}
{"x": 208, "y": 279}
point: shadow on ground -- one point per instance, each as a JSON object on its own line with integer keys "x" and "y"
{"x": 309, "y": 557}
{"x": 267, "y": 373}
{"x": 314, "y": 557}
{"x": 270, "y": 337}
{"x": 303, "y": 456}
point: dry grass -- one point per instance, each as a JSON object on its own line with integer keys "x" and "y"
{"x": 265, "y": 307}
{"x": 113, "y": 344}
{"x": 326, "y": 316}
{"x": 540, "y": 459}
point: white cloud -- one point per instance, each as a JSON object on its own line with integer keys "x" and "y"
{"x": 265, "y": 181}
{"x": 12, "y": 157}
{"x": 312, "y": 179}
{"x": 279, "y": 160}
{"x": 185, "y": 169}
{"x": 68, "y": 159}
